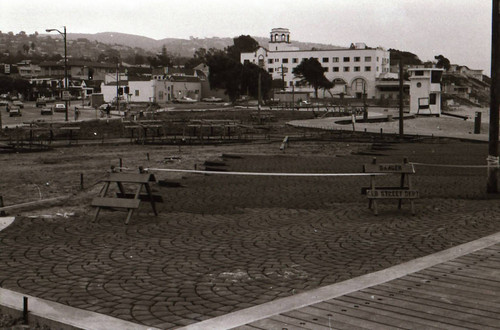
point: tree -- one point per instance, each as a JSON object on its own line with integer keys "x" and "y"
{"x": 199, "y": 57}
{"x": 250, "y": 81}
{"x": 442, "y": 62}
{"x": 407, "y": 57}
{"x": 242, "y": 44}
{"x": 225, "y": 73}
{"x": 310, "y": 72}
{"x": 160, "y": 60}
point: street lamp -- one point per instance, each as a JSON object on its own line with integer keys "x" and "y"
{"x": 65, "y": 66}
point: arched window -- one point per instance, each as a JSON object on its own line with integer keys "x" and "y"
{"x": 261, "y": 60}
{"x": 283, "y": 37}
{"x": 358, "y": 85}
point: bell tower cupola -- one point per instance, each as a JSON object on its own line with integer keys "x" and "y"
{"x": 280, "y": 40}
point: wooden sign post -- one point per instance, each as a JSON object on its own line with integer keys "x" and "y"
{"x": 403, "y": 191}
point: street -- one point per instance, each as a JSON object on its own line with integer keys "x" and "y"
{"x": 32, "y": 114}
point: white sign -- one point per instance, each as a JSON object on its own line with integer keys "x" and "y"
{"x": 7, "y": 68}
{"x": 66, "y": 96}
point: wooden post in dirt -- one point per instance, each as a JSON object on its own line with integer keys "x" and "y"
{"x": 2, "y": 213}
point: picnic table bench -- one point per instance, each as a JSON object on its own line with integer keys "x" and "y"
{"x": 124, "y": 200}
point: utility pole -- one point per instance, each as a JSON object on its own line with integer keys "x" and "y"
{"x": 259, "y": 95}
{"x": 492, "y": 185}
{"x": 117, "y": 86}
{"x": 282, "y": 78}
{"x": 401, "y": 103}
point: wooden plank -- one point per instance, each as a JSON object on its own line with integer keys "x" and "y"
{"x": 384, "y": 292}
{"x": 328, "y": 318}
{"x": 382, "y": 319}
{"x": 450, "y": 290}
{"x": 277, "y": 323}
{"x": 248, "y": 327}
{"x": 462, "y": 282}
{"x": 424, "y": 313}
{"x": 116, "y": 202}
{"x": 131, "y": 177}
{"x": 465, "y": 275}
{"x": 142, "y": 197}
{"x": 365, "y": 189}
{"x": 392, "y": 193}
{"x": 444, "y": 295}
{"x": 398, "y": 168}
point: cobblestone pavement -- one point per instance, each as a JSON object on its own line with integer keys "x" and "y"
{"x": 224, "y": 243}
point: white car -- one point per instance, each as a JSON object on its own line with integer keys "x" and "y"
{"x": 212, "y": 99}
{"x": 60, "y": 107}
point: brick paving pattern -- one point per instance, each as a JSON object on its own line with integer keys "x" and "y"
{"x": 225, "y": 243}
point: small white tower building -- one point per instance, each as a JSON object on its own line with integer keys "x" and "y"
{"x": 280, "y": 40}
{"x": 425, "y": 91}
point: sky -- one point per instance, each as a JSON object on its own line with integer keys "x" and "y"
{"x": 458, "y": 29}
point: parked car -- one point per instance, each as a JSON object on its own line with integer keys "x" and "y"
{"x": 18, "y": 103}
{"x": 4, "y": 103}
{"x": 212, "y": 99}
{"x": 185, "y": 99}
{"x": 60, "y": 107}
{"x": 15, "y": 111}
{"x": 41, "y": 102}
{"x": 47, "y": 111}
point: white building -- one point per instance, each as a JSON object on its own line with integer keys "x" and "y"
{"x": 355, "y": 70}
{"x": 425, "y": 91}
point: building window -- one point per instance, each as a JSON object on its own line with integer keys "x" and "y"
{"x": 378, "y": 59}
{"x": 335, "y": 59}
{"x": 432, "y": 98}
{"x": 346, "y": 69}
{"x": 419, "y": 73}
{"x": 357, "y": 69}
{"x": 419, "y": 84}
{"x": 295, "y": 60}
{"x": 276, "y": 60}
{"x": 335, "y": 69}
{"x": 357, "y": 59}
{"x": 271, "y": 70}
{"x": 160, "y": 95}
{"x": 436, "y": 77}
{"x": 290, "y": 83}
{"x": 347, "y": 59}
{"x": 136, "y": 92}
{"x": 325, "y": 59}
{"x": 368, "y": 68}
{"x": 368, "y": 58}
{"x": 246, "y": 62}
{"x": 327, "y": 69}
{"x": 285, "y": 60}
{"x": 270, "y": 61}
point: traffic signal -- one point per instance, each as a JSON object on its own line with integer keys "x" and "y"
{"x": 120, "y": 91}
{"x": 127, "y": 90}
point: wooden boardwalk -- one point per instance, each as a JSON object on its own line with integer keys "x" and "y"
{"x": 460, "y": 294}
{"x": 457, "y": 288}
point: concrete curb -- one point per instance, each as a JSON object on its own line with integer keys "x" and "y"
{"x": 74, "y": 317}
{"x": 283, "y": 305}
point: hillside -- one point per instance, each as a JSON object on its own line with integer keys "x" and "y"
{"x": 176, "y": 46}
